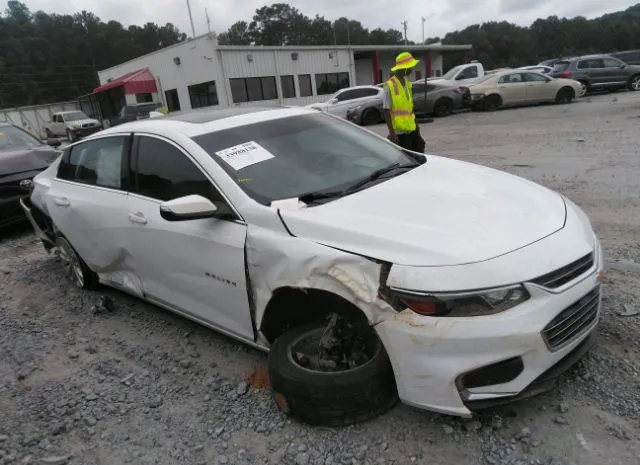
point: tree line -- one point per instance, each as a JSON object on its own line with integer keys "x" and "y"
{"x": 48, "y": 57}
{"x": 51, "y": 58}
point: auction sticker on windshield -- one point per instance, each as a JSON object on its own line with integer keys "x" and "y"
{"x": 243, "y": 155}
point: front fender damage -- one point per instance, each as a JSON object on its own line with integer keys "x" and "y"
{"x": 276, "y": 261}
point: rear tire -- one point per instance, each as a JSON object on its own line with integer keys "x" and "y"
{"x": 330, "y": 398}
{"x": 565, "y": 95}
{"x": 370, "y": 117}
{"x": 492, "y": 102}
{"x": 77, "y": 270}
{"x": 634, "y": 83}
{"x": 443, "y": 107}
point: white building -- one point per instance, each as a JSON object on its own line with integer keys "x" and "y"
{"x": 200, "y": 73}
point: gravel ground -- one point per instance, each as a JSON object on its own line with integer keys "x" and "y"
{"x": 102, "y": 378}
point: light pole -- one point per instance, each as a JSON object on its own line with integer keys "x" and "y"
{"x": 423, "y": 21}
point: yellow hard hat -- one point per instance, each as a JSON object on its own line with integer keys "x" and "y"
{"x": 405, "y": 60}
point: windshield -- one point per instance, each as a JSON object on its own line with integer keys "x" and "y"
{"x": 452, "y": 72}
{"x": 484, "y": 79}
{"x": 12, "y": 137}
{"x": 288, "y": 157}
{"x": 74, "y": 116}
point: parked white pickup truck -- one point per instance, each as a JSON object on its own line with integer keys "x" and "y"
{"x": 461, "y": 75}
{"x": 71, "y": 124}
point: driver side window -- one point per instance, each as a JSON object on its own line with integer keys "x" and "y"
{"x": 163, "y": 172}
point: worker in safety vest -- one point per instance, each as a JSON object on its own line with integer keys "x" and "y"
{"x": 398, "y": 105}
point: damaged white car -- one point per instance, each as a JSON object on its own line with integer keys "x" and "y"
{"x": 370, "y": 273}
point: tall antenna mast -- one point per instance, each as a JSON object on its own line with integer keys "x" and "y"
{"x": 193, "y": 29}
{"x": 423, "y": 21}
{"x": 206, "y": 13}
{"x": 404, "y": 23}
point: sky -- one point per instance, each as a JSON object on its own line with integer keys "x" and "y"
{"x": 442, "y": 15}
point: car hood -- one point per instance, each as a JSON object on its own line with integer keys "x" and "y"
{"x": 26, "y": 159}
{"x": 445, "y": 212}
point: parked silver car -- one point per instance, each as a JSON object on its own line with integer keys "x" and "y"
{"x": 440, "y": 100}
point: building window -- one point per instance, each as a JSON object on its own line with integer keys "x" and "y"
{"x": 253, "y": 89}
{"x": 304, "y": 82}
{"x": 288, "y": 87}
{"x": 144, "y": 98}
{"x": 173, "y": 101}
{"x": 203, "y": 95}
{"x": 330, "y": 83}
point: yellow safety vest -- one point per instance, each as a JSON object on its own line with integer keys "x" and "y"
{"x": 402, "y": 116}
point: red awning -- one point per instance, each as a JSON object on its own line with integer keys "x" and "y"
{"x": 138, "y": 82}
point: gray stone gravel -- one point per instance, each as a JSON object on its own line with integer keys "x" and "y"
{"x": 88, "y": 375}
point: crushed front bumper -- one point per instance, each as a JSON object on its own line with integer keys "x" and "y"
{"x": 39, "y": 221}
{"x": 432, "y": 356}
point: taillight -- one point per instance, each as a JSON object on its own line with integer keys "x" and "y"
{"x": 565, "y": 74}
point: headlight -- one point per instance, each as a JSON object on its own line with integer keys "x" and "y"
{"x": 75, "y": 126}
{"x": 477, "y": 96}
{"x": 358, "y": 108}
{"x": 476, "y": 303}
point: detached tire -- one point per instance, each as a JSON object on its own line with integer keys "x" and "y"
{"x": 330, "y": 398}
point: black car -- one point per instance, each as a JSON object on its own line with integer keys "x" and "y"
{"x": 22, "y": 156}
{"x": 135, "y": 112}
{"x": 630, "y": 57}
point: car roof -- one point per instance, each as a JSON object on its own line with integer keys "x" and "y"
{"x": 195, "y": 122}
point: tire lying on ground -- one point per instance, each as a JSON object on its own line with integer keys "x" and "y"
{"x": 317, "y": 392}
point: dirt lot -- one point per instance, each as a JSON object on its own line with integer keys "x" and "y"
{"x": 83, "y": 384}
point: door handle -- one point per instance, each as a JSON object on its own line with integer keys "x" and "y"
{"x": 62, "y": 202}
{"x": 137, "y": 218}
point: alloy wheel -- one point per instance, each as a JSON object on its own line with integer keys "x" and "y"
{"x": 71, "y": 262}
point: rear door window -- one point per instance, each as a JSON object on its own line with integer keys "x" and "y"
{"x": 97, "y": 162}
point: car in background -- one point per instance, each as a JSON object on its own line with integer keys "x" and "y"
{"x": 440, "y": 100}
{"x": 71, "y": 124}
{"x": 134, "y": 112}
{"x": 460, "y": 75}
{"x": 631, "y": 57}
{"x": 599, "y": 72}
{"x": 22, "y": 157}
{"x": 513, "y": 88}
{"x": 367, "y": 272}
{"x": 542, "y": 69}
{"x": 351, "y": 97}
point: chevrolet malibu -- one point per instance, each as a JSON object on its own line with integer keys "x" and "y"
{"x": 368, "y": 272}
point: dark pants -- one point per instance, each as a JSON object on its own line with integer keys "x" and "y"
{"x": 412, "y": 141}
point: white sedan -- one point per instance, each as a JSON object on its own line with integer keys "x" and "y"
{"x": 370, "y": 273}
{"x": 347, "y": 99}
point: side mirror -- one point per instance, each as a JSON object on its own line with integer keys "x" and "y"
{"x": 623, "y": 66}
{"x": 190, "y": 207}
{"x": 54, "y": 142}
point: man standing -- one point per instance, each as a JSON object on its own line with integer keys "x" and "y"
{"x": 398, "y": 105}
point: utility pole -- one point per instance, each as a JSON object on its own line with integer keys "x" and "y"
{"x": 193, "y": 29}
{"x": 423, "y": 21}
{"x": 404, "y": 23}
{"x": 206, "y": 13}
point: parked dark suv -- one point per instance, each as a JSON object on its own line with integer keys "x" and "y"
{"x": 599, "y": 72}
{"x": 630, "y": 57}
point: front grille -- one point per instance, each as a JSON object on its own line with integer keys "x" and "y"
{"x": 566, "y": 274}
{"x": 572, "y": 322}
{"x": 88, "y": 125}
